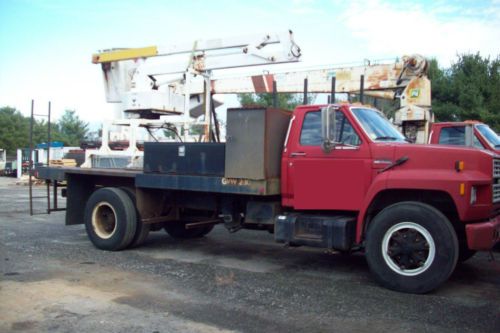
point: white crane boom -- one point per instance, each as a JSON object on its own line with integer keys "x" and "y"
{"x": 147, "y": 89}
{"x": 377, "y": 77}
{"x": 144, "y": 94}
{"x": 134, "y": 81}
{"x": 405, "y": 80}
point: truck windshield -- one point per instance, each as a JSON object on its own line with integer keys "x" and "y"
{"x": 377, "y": 126}
{"x": 489, "y": 135}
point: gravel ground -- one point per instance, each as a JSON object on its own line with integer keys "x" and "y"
{"x": 53, "y": 280}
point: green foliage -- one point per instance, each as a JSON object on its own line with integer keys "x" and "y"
{"x": 468, "y": 90}
{"x": 285, "y": 101}
{"x": 72, "y": 129}
{"x": 15, "y": 129}
{"x": 169, "y": 134}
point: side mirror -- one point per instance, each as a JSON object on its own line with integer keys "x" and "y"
{"x": 328, "y": 126}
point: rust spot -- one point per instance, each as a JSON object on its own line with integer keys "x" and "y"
{"x": 263, "y": 83}
{"x": 199, "y": 63}
{"x": 375, "y": 77}
{"x": 412, "y": 61}
{"x": 106, "y": 67}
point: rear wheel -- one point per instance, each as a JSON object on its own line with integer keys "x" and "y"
{"x": 142, "y": 230}
{"x": 110, "y": 219}
{"x": 411, "y": 247}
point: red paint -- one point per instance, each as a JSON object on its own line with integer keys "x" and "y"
{"x": 319, "y": 180}
{"x": 438, "y": 127}
{"x": 349, "y": 179}
{"x": 483, "y": 236}
{"x": 263, "y": 83}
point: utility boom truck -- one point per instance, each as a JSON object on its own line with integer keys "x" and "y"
{"x": 332, "y": 176}
{"x": 335, "y": 176}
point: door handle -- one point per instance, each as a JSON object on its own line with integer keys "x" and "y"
{"x": 300, "y": 153}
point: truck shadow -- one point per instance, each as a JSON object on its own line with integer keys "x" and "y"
{"x": 257, "y": 252}
{"x": 253, "y": 251}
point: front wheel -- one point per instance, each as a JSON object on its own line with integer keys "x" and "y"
{"x": 411, "y": 247}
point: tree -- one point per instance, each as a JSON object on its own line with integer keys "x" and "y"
{"x": 469, "y": 89}
{"x": 94, "y": 135}
{"x": 14, "y": 129}
{"x": 174, "y": 134}
{"x": 285, "y": 101}
{"x": 72, "y": 129}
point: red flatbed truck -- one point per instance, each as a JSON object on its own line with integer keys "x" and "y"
{"x": 333, "y": 176}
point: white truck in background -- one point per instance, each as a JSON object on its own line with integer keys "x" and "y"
{"x": 3, "y": 160}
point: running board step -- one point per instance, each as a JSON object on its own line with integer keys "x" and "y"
{"x": 332, "y": 232}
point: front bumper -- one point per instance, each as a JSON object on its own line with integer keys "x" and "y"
{"x": 483, "y": 236}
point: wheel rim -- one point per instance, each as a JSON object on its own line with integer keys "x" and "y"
{"x": 408, "y": 248}
{"x": 104, "y": 220}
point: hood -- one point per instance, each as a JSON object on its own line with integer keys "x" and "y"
{"x": 434, "y": 156}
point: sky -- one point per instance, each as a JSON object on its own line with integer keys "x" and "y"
{"x": 46, "y": 46}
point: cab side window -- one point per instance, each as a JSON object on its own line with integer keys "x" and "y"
{"x": 344, "y": 132}
{"x": 477, "y": 143}
{"x": 452, "y": 136}
{"x": 311, "y": 130}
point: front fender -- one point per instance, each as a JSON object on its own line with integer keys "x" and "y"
{"x": 451, "y": 182}
{"x": 448, "y": 181}
{"x": 378, "y": 185}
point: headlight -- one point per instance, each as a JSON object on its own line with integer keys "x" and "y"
{"x": 473, "y": 195}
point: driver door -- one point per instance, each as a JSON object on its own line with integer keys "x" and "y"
{"x": 336, "y": 180}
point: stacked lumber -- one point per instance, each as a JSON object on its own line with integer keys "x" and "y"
{"x": 24, "y": 181}
{"x": 69, "y": 162}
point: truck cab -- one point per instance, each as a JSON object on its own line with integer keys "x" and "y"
{"x": 350, "y": 159}
{"x": 469, "y": 133}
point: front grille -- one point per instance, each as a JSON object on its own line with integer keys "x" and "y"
{"x": 496, "y": 193}
{"x": 496, "y": 182}
{"x": 496, "y": 168}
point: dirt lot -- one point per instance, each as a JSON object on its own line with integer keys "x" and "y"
{"x": 53, "y": 280}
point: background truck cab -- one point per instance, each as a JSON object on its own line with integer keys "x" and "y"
{"x": 468, "y": 133}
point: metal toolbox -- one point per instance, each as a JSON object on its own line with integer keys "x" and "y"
{"x": 196, "y": 158}
{"x": 254, "y": 142}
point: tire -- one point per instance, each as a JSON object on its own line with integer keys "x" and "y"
{"x": 142, "y": 229}
{"x": 411, "y": 247}
{"x": 110, "y": 219}
{"x": 178, "y": 230}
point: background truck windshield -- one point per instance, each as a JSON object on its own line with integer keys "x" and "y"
{"x": 489, "y": 135}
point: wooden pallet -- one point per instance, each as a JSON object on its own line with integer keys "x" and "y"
{"x": 64, "y": 162}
